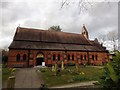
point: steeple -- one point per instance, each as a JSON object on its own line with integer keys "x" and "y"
{"x": 85, "y": 32}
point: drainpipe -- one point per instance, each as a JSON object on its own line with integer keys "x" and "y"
{"x": 28, "y": 57}
{"x": 28, "y": 54}
{"x": 88, "y": 57}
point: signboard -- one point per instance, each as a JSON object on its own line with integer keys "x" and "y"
{"x": 43, "y": 64}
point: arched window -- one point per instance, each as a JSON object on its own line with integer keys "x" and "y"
{"x": 85, "y": 57}
{"x": 24, "y": 57}
{"x": 54, "y": 57}
{"x": 92, "y": 57}
{"x": 68, "y": 57}
{"x": 18, "y": 57}
{"x": 96, "y": 57}
{"x": 81, "y": 57}
{"x": 72, "y": 57}
{"x": 58, "y": 57}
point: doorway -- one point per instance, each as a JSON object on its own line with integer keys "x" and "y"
{"x": 39, "y": 59}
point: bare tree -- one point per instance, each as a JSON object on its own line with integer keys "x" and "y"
{"x": 102, "y": 38}
{"x": 113, "y": 37}
{"x": 83, "y": 5}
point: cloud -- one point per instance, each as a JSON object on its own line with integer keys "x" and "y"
{"x": 99, "y": 19}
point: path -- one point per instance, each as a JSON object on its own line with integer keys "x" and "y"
{"x": 82, "y": 84}
{"x": 27, "y": 78}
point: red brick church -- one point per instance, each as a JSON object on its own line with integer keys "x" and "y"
{"x": 31, "y": 47}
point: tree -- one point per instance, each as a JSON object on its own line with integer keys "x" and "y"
{"x": 113, "y": 36}
{"x": 55, "y": 28}
{"x": 4, "y": 56}
{"x": 83, "y": 5}
{"x": 111, "y": 74}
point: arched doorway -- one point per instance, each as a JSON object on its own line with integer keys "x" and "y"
{"x": 39, "y": 59}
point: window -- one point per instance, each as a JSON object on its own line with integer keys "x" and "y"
{"x": 81, "y": 57}
{"x": 58, "y": 57}
{"x": 85, "y": 57}
{"x": 54, "y": 57}
{"x": 92, "y": 57}
{"x": 96, "y": 57}
{"x": 48, "y": 56}
{"x": 68, "y": 57}
{"x": 24, "y": 57}
{"x": 18, "y": 58}
{"x": 72, "y": 57}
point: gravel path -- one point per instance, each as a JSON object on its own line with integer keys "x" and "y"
{"x": 82, "y": 84}
{"x": 27, "y": 78}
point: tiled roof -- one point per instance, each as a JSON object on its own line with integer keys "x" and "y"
{"x": 29, "y": 34}
{"x": 28, "y": 38}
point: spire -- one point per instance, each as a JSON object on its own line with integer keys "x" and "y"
{"x": 85, "y": 32}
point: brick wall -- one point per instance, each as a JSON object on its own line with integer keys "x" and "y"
{"x": 102, "y": 57}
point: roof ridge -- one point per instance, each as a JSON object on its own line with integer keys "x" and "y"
{"x": 21, "y": 28}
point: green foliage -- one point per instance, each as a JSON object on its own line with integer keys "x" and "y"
{"x": 5, "y": 73}
{"x": 80, "y": 78}
{"x": 42, "y": 69}
{"x": 71, "y": 64}
{"x": 55, "y": 28}
{"x": 111, "y": 74}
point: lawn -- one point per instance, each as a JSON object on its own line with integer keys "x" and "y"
{"x": 70, "y": 75}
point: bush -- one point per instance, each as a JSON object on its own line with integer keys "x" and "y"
{"x": 71, "y": 64}
{"x": 111, "y": 73}
{"x": 42, "y": 69}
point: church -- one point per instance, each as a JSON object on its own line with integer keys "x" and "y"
{"x": 31, "y": 47}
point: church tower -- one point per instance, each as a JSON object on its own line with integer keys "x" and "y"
{"x": 85, "y": 32}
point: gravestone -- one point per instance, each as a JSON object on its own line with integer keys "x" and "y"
{"x": 43, "y": 64}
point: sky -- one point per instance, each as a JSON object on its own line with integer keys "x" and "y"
{"x": 100, "y": 18}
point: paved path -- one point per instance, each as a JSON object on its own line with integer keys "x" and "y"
{"x": 82, "y": 84}
{"x": 27, "y": 78}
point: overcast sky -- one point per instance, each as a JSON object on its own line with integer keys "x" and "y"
{"x": 100, "y": 18}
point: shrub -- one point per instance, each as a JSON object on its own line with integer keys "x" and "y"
{"x": 42, "y": 69}
{"x": 71, "y": 63}
{"x": 111, "y": 73}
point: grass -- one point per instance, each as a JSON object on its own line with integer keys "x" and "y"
{"x": 70, "y": 75}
